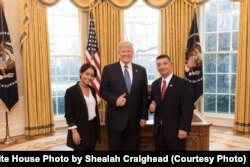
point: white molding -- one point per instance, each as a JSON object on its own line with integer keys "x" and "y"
{"x": 220, "y": 119}
{"x": 60, "y": 122}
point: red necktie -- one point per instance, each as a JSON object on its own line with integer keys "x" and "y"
{"x": 163, "y": 89}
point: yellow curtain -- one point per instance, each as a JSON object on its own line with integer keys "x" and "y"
{"x": 176, "y": 22}
{"x": 108, "y": 29}
{"x": 242, "y": 105}
{"x": 36, "y": 61}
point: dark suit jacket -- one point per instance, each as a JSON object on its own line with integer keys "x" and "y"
{"x": 76, "y": 113}
{"x": 113, "y": 85}
{"x": 176, "y": 108}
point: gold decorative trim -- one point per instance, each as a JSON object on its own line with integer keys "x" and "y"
{"x": 48, "y": 3}
{"x": 196, "y": 2}
{"x": 121, "y": 4}
{"x": 85, "y": 5}
{"x": 160, "y": 4}
{"x": 237, "y": 0}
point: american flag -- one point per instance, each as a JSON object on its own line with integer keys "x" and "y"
{"x": 93, "y": 54}
{"x": 2, "y": 66}
{"x": 191, "y": 62}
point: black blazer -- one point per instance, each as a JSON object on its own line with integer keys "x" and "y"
{"x": 113, "y": 85}
{"x": 76, "y": 113}
{"x": 176, "y": 108}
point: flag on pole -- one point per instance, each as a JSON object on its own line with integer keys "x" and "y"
{"x": 93, "y": 54}
{"x": 193, "y": 61}
{"x": 8, "y": 82}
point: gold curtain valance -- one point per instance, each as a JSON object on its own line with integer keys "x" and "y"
{"x": 124, "y": 4}
{"x": 84, "y": 5}
{"x": 196, "y": 2}
{"x": 48, "y": 3}
{"x": 159, "y": 4}
{"x": 121, "y": 4}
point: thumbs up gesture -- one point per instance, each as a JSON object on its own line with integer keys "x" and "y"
{"x": 152, "y": 106}
{"x": 121, "y": 100}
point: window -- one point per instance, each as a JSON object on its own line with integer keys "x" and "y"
{"x": 65, "y": 55}
{"x": 141, "y": 28}
{"x": 220, "y": 55}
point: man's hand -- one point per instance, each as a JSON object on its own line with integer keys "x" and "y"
{"x": 142, "y": 122}
{"x": 182, "y": 134}
{"x": 121, "y": 100}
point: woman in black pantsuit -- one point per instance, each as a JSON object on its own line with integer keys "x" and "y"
{"x": 81, "y": 112}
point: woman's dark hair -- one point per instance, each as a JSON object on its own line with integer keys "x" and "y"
{"x": 163, "y": 56}
{"x": 86, "y": 66}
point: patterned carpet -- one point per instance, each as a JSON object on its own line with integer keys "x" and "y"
{"x": 41, "y": 144}
{"x": 55, "y": 143}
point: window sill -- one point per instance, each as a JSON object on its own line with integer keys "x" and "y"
{"x": 220, "y": 119}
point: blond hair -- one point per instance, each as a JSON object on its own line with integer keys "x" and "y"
{"x": 125, "y": 43}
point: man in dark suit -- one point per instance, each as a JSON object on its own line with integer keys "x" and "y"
{"x": 124, "y": 87}
{"x": 172, "y": 103}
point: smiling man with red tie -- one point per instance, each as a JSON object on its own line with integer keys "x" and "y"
{"x": 172, "y": 103}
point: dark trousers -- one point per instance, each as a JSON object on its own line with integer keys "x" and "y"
{"x": 92, "y": 139}
{"x": 163, "y": 144}
{"x": 126, "y": 140}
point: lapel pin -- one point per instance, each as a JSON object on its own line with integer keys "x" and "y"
{"x": 171, "y": 85}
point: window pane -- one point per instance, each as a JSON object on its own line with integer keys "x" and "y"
{"x": 74, "y": 65}
{"x": 223, "y": 63}
{"x": 223, "y": 5}
{"x": 235, "y": 20}
{"x": 61, "y": 106}
{"x": 211, "y": 22}
{"x": 62, "y": 66}
{"x": 209, "y": 83}
{"x": 72, "y": 46}
{"x": 211, "y": 42}
{"x": 53, "y": 80}
{"x": 232, "y": 104}
{"x": 233, "y": 63}
{"x": 232, "y": 83}
{"x": 224, "y": 21}
{"x": 62, "y": 85}
{"x": 223, "y": 83}
{"x": 224, "y": 41}
{"x": 59, "y": 45}
{"x": 209, "y": 103}
{"x": 209, "y": 63}
{"x": 235, "y": 40}
{"x": 211, "y": 6}
{"x": 222, "y": 103}
{"x": 72, "y": 25}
